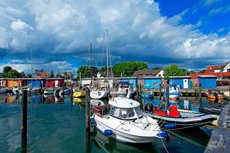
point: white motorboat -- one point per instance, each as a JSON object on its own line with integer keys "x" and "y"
{"x": 16, "y": 90}
{"x": 99, "y": 91}
{"x": 48, "y": 91}
{"x": 33, "y": 90}
{"x": 125, "y": 122}
{"x": 3, "y": 89}
{"x": 174, "y": 92}
{"x": 59, "y": 91}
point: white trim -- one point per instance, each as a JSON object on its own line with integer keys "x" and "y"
{"x": 226, "y": 67}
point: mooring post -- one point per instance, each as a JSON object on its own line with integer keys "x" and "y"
{"x": 167, "y": 97}
{"x": 160, "y": 90}
{"x": 87, "y": 121}
{"x": 200, "y": 91}
{"x": 71, "y": 90}
{"x": 137, "y": 92}
{"x": 109, "y": 91}
{"x": 53, "y": 87}
{"x": 63, "y": 89}
{"x": 140, "y": 92}
{"x": 87, "y": 112}
{"x": 24, "y": 122}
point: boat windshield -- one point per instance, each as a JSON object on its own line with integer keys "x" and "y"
{"x": 123, "y": 113}
{"x": 138, "y": 112}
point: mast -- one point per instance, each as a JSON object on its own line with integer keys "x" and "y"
{"x": 31, "y": 65}
{"x": 107, "y": 39}
{"x": 91, "y": 62}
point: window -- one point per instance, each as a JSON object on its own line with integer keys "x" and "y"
{"x": 211, "y": 71}
{"x": 140, "y": 75}
{"x": 124, "y": 113}
{"x": 228, "y": 70}
{"x": 147, "y": 75}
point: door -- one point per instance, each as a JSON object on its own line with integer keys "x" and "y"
{"x": 185, "y": 83}
{"x": 56, "y": 83}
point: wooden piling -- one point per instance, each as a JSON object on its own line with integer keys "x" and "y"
{"x": 137, "y": 93}
{"x": 71, "y": 90}
{"x": 160, "y": 90}
{"x": 200, "y": 91}
{"x": 24, "y": 122}
{"x": 87, "y": 112}
{"x": 53, "y": 87}
{"x": 167, "y": 97}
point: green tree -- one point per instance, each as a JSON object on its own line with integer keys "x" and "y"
{"x": 173, "y": 70}
{"x": 202, "y": 71}
{"x": 156, "y": 68}
{"x": 128, "y": 68}
{"x": 29, "y": 75}
{"x": 58, "y": 75}
{"x": 14, "y": 74}
{"x": 51, "y": 74}
{"x": 85, "y": 72}
{"x": 192, "y": 72}
{"x": 6, "y": 69}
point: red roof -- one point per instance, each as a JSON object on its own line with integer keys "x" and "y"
{"x": 210, "y": 68}
{"x": 215, "y": 74}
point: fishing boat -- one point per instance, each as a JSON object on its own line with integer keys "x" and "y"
{"x": 3, "y": 89}
{"x": 80, "y": 93}
{"x": 147, "y": 93}
{"x": 60, "y": 92}
{"x": 214, "y": 94}
{"x": 172, "y": 116}
{"x": 174, "y": 92}
{"x": 125, "y": 122}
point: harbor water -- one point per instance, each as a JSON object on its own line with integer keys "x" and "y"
{"x": 57, "y": 124}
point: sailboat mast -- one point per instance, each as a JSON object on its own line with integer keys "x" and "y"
{"x": 91, "y": 61}
{"x": 107, "y": 49}
{"x": 31, "y": 64}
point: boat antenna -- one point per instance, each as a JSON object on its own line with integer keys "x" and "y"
{"x": 107, "y": 39}
{"x": 91, "y": 62}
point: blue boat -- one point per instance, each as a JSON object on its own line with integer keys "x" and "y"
{"x": 147, "y": 93}
{"x": 173, "y": 92}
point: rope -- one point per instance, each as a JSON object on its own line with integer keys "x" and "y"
{"x": 164, "y": 146}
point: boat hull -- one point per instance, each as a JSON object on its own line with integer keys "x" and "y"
{"x": 147, "y": 96}
{"x": 124, "y": 136}
{"x": 98, "y": 94}
{"x": 3, "y": 90}
{"x": 48, "y": 92}
{"x": 79, "y": 94}
{"x": 193, "y": 119}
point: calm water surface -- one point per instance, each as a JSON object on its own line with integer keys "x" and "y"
{"x": 57, "y": 124}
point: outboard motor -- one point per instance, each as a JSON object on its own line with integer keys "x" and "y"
{"x": 216, "y": 96}
{"x": 149, "y": 107}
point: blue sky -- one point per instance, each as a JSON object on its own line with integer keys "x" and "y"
{"x": 192, "y": 33}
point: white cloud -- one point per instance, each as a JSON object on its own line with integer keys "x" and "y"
{"x": 209, "y": 2}
{"x": 19, "y": 25}
{"x": 221, "y": 30}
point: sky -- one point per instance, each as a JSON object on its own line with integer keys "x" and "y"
{"x": 194, "y": 34}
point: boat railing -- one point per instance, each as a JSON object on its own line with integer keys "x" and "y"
{"x": 96, "y": 107}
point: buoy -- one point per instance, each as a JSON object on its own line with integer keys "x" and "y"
{"x": 170, "y": 125}
{"x": 108, "y": 132}
{"x": 163, "y": 134}
{"x": 92, "y": 121}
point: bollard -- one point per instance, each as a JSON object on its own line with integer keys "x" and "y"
{"x": 24, "y": 122}
{"x": 200, "y": 91}
{"x": 167, "y": 97}
{"x": 160, "y": 90}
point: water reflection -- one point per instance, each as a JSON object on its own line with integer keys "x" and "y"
{"x": 194, "y": 135}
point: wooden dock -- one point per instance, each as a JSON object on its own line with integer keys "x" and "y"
{"x": 220, "y": 139}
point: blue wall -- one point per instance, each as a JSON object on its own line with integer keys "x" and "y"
{"x": 132, "y": 81}
{"x": 207, "y": 82}
{"x": 37, "y": 83}
{"x": 180, "y": 81}
{"x": 153, "y": 82}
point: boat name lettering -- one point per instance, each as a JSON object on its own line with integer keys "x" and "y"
{"x": 128, "y": 130}
{"x": 158, "y": 116}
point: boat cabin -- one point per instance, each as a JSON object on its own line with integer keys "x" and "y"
{"x": 173, "y": 88}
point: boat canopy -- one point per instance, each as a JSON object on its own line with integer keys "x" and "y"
{"x": 122, "y": 102}
{"x": 126, "y": 113}
{"x": 124, "y": 82}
